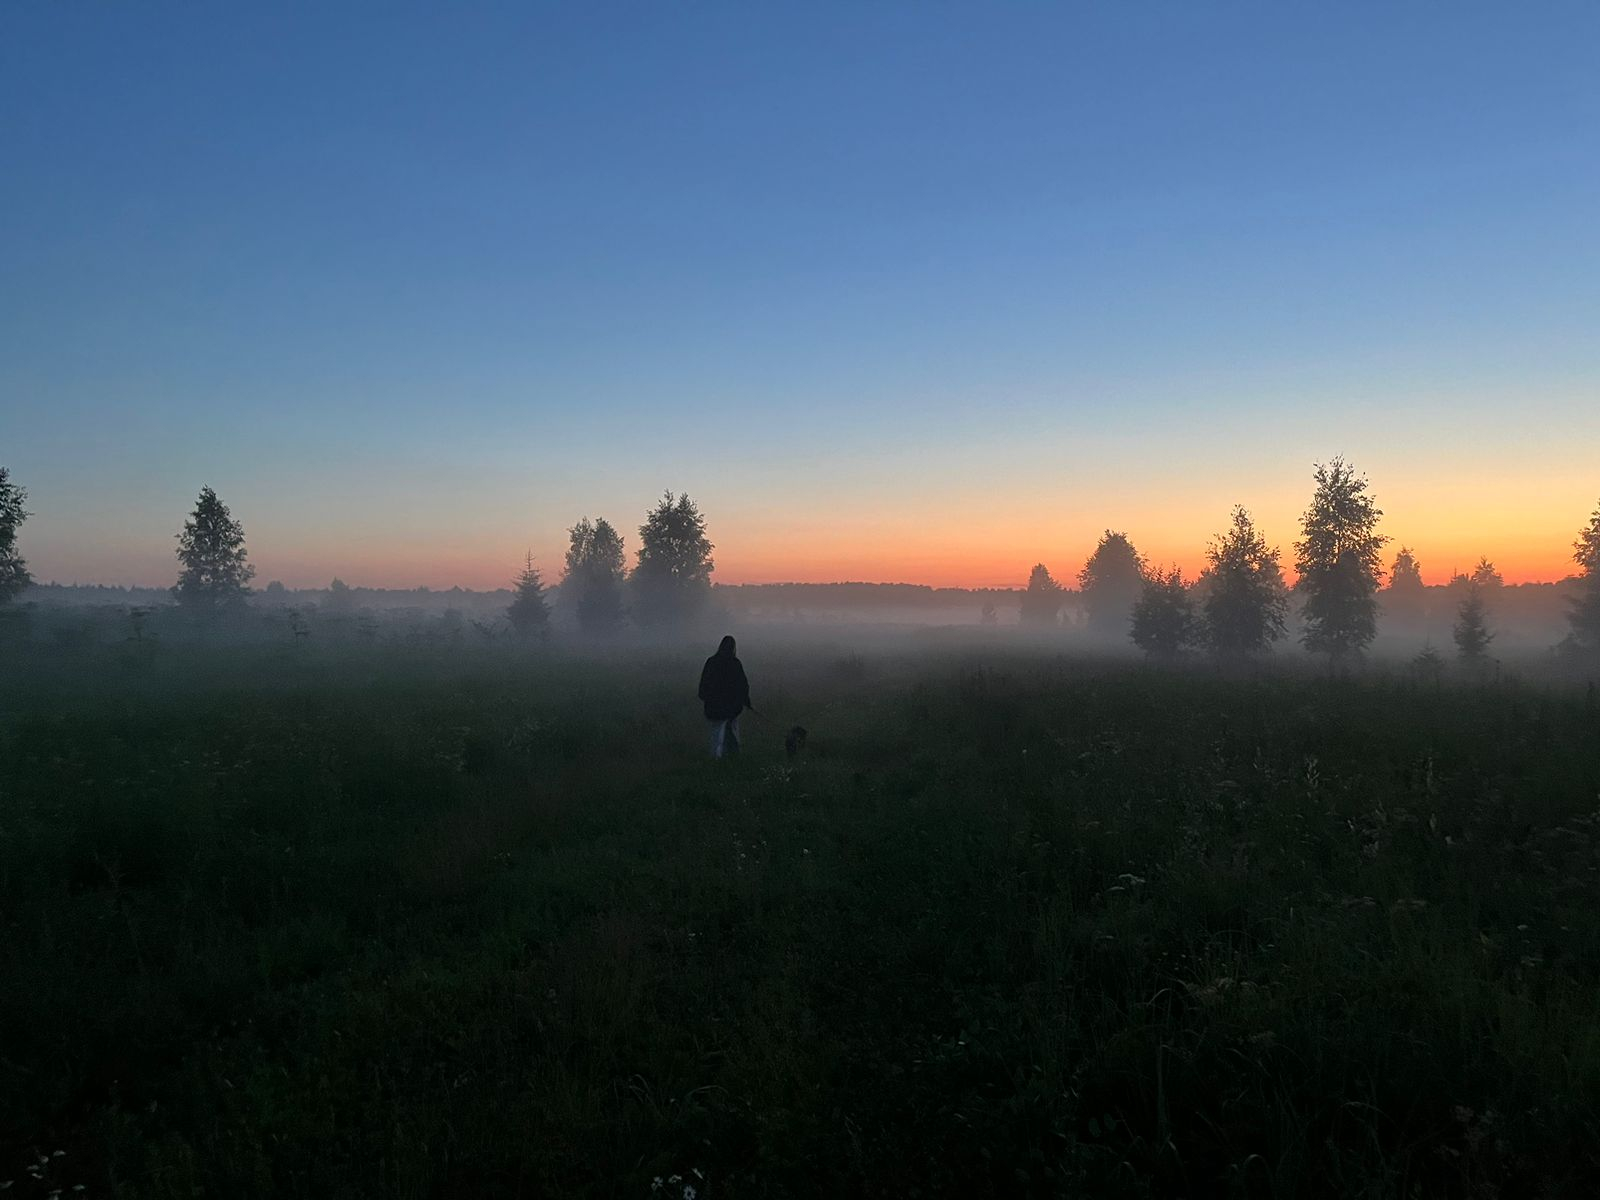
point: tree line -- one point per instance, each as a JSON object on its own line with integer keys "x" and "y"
{"x": 1237, "y": 608}
{"x": 669, "y": 584}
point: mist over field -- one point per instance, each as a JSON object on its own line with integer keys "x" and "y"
{"x": 746, "y": 601}
{"x": 1140, "y": 887}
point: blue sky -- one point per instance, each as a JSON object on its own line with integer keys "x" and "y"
{"x": 921, "y": 292}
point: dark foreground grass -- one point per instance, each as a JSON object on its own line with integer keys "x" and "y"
{"x": 351, "y": 925}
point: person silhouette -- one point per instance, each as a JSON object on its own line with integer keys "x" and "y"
{"x": 726, "y": 693}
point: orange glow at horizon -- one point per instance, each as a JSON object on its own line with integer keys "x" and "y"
{"x": 825, "y": 557}
{"x": 1526, "y": 531}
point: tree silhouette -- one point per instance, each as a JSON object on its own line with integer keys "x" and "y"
{"x": 1111, "y": 582}
{"x": 14, "y": 576}
{"x": 1584, "y": 613}
{"x": 672, "y": 577}
{"x": 1471, "y": 632}
{"x": 1405, "y": 599}
{"x": 1164, "y": 622}
{"x": 593, "y": 581}
{"x": 1486, "y": 581}
{"x": 1337, "y": 558}
{"x": 1246, "y": 599}
{"x": 1427, "y": 665}
{"x": 211, "y": 550}
{"x": 339, "y": 598}
{"x": 529, "y": 611}
{"x": 1042, "y": 599}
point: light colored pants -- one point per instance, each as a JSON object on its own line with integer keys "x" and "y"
{"x": 724, "y": 737}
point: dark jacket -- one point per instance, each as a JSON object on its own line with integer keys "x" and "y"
{"x": 723, "y": 687}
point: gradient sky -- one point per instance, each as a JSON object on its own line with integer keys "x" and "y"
{"x": 922, "y": 292}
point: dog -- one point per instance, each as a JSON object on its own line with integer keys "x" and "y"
{"x": 795, "y": 741}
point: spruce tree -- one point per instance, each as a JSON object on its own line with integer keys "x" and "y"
{"x": 529, "y": 611}
{"x": 1471, "y": 632}
{"x": 211, "y": 550}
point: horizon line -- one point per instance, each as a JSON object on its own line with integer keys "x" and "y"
{"x": 482, "y": 591}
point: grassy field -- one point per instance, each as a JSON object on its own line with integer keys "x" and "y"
{"x": 364, "y": 922}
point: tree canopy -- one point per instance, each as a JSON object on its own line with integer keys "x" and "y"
{"x": 1110, "y": 582}
{"x": 1246, "y": 599}
{"x": 1405, "y": 599}
{"x": 14, "y": 576}
{"x": 1337, "y": 560}
{"x": 672, "y": 577}
{"x": 1405, "y": 574}
{"x": 593, "y": 582}
{"x": 1164, "y": 622}
{"x": 1584, "y": 614}
{"x": 1041, "y": 600}
{"x": 211, "y": 554}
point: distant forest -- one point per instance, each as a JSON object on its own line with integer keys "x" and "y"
{"x": 1529, "y": 603}
{"x": 1347, "y": 581}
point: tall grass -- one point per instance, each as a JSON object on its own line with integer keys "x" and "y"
{"x": 452, "y": 922}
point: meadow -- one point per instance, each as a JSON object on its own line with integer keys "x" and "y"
{"x": 470, "y": 920}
